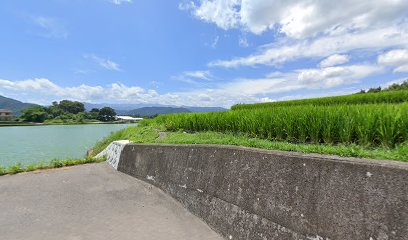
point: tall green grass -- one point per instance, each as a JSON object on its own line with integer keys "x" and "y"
{"x": 398, "y": 96}
{"x": 366, "y": 125}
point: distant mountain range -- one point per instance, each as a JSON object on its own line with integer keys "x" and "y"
{"x": 150, "y": 110}
{"x": 14, "y": 105}
{"x": 122, "y": 109}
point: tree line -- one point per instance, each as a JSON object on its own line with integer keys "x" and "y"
{"x": 67, "y": 111}
{"x": 392, "y": 87}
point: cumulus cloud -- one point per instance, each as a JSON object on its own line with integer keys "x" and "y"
{"x": 334, "y": 60}
{"x": 309, "y": 29}
{"x": 297, "y": 19}
{"x": 105, "y": 63}
{"x": 37, "y": 84}
{"x": 243, "y": 90}
{"x": 397, "y": 58}
{"x": 224, "y": 13}
{"x": 83, "y": 92}
{"x": 281, "y": 52}
{"x": 119, "y": 93}
{"x": 335, "y": 76}
{"x": 52, "y": 28}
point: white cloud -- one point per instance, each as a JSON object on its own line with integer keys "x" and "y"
{"x": 283, "y": 51}
{"x": 224, "y": 13}
{"x": 37, "y": 84}
{"x": 335, "y": 76}
{"x": 403, "y": 68}
{"x": 220, "y": 94}
{"x": 83, "y": 92}
{"x": 119, "y": 2}
{"x": 52, "y": 28}
{"x": 105, "y": 63}
{"x": 317, "y": 78}
{"x": 298, "y": 19}
{"x": 193, "y": 77}
{"x": 260, "y": 86}
{"x": 261, "y": 89}
{"x": 397, "y": 58}
{"x": 334, "y": 60}
{"x": 205, "y": 75}
{"x": 334, "y": 31}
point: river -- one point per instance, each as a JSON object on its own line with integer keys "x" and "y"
{"x": 33, "y": 144}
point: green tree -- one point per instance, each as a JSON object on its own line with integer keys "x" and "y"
{"x": 71, "y": 106}
{"x": 35, "y": 114}
{"x": 106, "y": 114}
{"x": 401, "y": 86}
{"x": 392, "y": 87}
{"x": 374, "y": 90}
{"x": 94, "y": 113}
{"x": 81, "y": 117}
{"x": 54, "y": 111}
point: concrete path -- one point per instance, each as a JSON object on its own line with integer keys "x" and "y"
{"x": 92, "y": 202}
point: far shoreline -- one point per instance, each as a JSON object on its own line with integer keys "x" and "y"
{"x": 28, "y": 124}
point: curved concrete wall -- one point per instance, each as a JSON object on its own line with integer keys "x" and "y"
{"x": 112, "y": 152}
{"x": 246, "y": 193}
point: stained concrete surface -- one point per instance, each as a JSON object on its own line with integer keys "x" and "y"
{"x": 248, "y": 193}
{"x": 92, "y": 202}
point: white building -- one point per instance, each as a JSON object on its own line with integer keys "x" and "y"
{"x": 128, "y": 119}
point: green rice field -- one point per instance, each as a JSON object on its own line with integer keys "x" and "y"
{"x": 377, "y": 119}
{"x": 399, "y": 96}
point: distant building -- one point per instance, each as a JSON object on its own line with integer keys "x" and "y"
{"x": 6, "y": 115}
{"x": 128, "y": 119}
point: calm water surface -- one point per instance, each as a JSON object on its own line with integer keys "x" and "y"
{"x": 33, "y": 144}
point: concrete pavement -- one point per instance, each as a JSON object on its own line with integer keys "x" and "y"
{"x": 92, "y": 202}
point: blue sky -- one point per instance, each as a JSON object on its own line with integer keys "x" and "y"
{"x": 199, "y": 53}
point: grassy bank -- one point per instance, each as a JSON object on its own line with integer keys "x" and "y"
{"x": 148, "y": 132}
{"x": 18, "y": 167}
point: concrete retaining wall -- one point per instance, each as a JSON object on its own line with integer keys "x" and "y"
{"x": 254, "y": 194}
{"x": 112, "y": 152}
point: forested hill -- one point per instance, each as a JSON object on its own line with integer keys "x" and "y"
{"x": 14, "y": 105}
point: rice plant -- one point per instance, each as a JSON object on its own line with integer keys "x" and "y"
{"x": 398, "y": 96}
{"x": 367, "y": 125}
